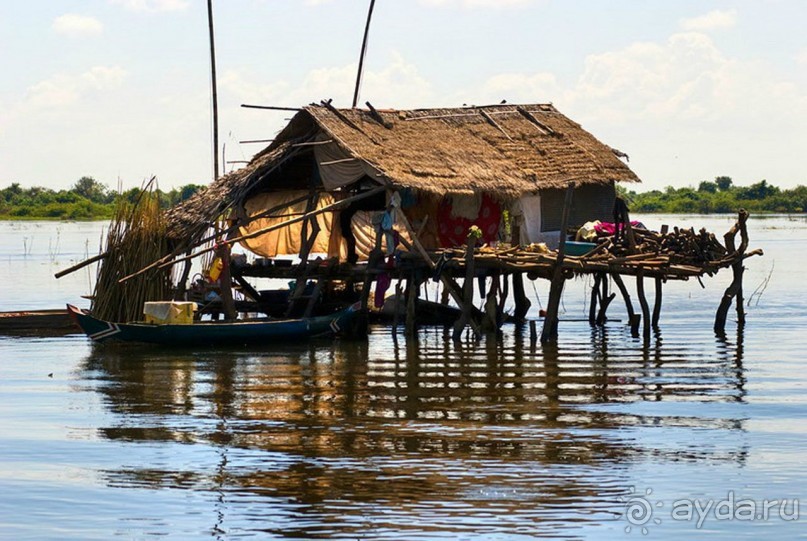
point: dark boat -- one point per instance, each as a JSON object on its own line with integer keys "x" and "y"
{"x": 36, "y": 323}
{"x": 217, "y": 333}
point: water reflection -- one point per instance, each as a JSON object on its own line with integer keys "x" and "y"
{"x": 407, "y": 439}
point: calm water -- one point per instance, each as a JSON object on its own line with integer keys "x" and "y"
{"x": 424, "y": 440}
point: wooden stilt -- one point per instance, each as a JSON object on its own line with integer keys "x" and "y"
{"x": 375, "y": 257}
{"x": 397, "y": 315}
{"x": 605, "y": 300}
{"x": 522, "y": 302}
{"x": 490, "y": 317}
{"x": 657, "y": 304}
{"x": 448, "y": 284}
{"x": 633, "y": 318}
{"x": 411, "y": 298}
{"x": 735, "y": 288}
{"x": 644, "y": 305}
{"x": 467, "y": 289}
{"x": 226, "y": 282}
{"x": 550, "y": 330}
{"x": 595, "y": 296}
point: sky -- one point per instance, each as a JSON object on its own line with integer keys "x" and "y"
{"x": 120, "y": 89}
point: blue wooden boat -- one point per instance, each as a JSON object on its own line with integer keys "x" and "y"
{"x": 217, "y": 333}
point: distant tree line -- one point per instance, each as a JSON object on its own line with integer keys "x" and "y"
{"x": 87, "y": 199}
{"x": 720, "y": 195}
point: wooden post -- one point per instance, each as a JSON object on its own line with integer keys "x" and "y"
{"x": 657, "y": 304}
{"x": 633, "y": 318}
{"x": 226, "y": 282}
{"x": 523, "y": 304}
{"x": 605, "y": 300}
{"x": 375, "y": 256}
{"x": 490, "y": 313}
{"x": 467, "y": 289}
{"x": 644, "y": 305}
{"x": 411, "y": 298}
{"x": 550, "y": 330}
{"x": 595, "y": 295}
{"x": 397, "y": 315}
{"x": 445, "y": 280}
{"x": 735, "y": 288}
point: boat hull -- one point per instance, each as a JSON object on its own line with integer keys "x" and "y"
{"x": 216, "y": 333}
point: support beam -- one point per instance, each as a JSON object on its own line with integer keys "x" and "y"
{"x": 645, "y": 307}
{"x": 734, "y": 290}
{"x": 605, "y": 300}
{"x": 595, "y": 297}
{"x": 467, "y": 289}
{"x": 411, "y": 300}
{"x": 657, "y": 304}
{"x": 550, "y": 330}
{"x": 633, "y": 318}
{"x": 445, "y": 280}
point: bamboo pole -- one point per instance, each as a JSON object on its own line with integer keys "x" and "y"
{"x": 214, "y": 90}
{"x": 81, "y": 265}
{"x": 363, "y": 54}
{"x": 269, "y": 229}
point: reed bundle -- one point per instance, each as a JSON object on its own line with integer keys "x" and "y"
{"x": 136, "y": 237}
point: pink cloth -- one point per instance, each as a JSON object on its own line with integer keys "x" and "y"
{"x": 607, "y": 228}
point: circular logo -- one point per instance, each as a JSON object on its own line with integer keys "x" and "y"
{"x": 638, "y": 510}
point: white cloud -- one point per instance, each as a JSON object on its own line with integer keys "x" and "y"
{"x": 396, "y": 84}
{"x": 478, "y": 3}
{"x": 711, "y": 21}
{"x": 73, "y": 25}
{"x": 62, "y": 89}
{"x": 519, "y": 87}
{"x": 801, "y": 57}
{"x": 152, "y": 6}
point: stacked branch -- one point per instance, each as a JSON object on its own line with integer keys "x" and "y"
{"x": 679, "y": 253}
{"x": 136, "y": 238}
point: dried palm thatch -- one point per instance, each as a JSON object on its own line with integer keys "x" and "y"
{"x": 504, "y": 150}
{"x": 136, "y": 237}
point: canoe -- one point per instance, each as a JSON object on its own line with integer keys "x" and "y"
{"x": 217, "y": 333}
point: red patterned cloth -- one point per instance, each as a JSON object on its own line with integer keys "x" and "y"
{"x": 453, "y": 231}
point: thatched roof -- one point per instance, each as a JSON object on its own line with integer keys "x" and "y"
{"x": 505, "y": 150}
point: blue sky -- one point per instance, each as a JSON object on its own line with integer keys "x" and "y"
{"x": 119, "y": 89}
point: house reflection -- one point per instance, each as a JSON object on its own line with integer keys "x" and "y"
{"x": 402, "y": 426}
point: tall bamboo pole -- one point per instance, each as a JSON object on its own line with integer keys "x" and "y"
{"x": 362, "y": 54}
{"x": 214, "y": 91}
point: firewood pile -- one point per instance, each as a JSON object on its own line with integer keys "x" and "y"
{"x": 679, "y": 247}
{"x": 676, "y": 253}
